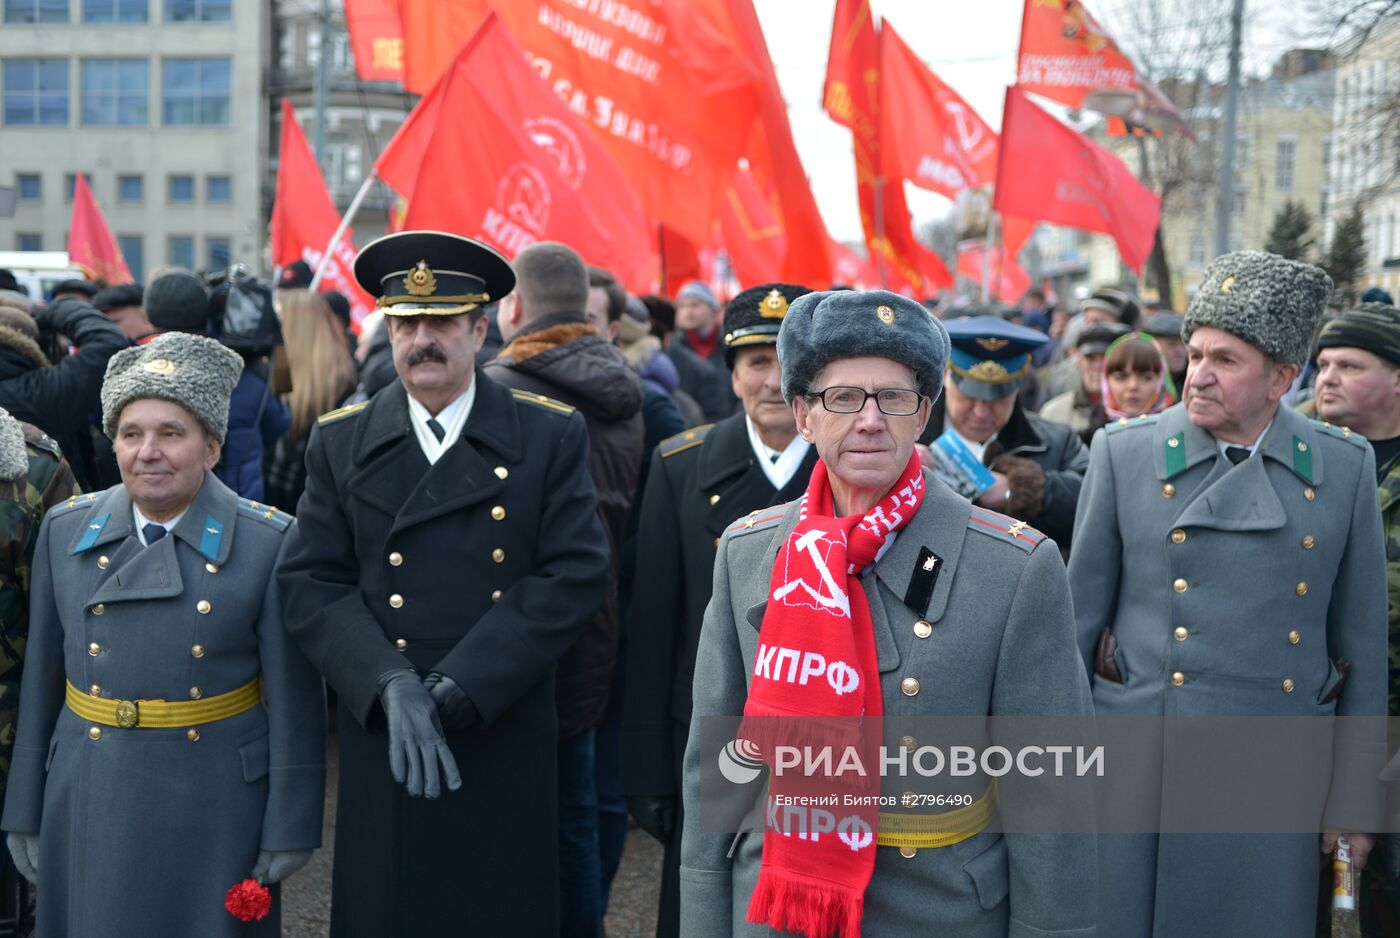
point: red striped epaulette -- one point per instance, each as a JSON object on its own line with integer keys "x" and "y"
{"x": 1005, "y": 528}
{"x": 757, "y": 519}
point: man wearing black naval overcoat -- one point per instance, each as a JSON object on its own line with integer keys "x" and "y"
{"x": 701, "y": 481}
{"x": 449, "y": 553}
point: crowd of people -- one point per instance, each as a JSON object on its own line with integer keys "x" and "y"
{"x": 525, "y": 530}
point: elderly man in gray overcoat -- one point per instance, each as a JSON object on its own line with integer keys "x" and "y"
{"x": 924, "y": 605}
{"x": 1228, "y": 561}
{"x": 171, "y": 736}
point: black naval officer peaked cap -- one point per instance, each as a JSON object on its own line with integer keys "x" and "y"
{"x": 432, "y": 273}
{"x": 755, "y": 316}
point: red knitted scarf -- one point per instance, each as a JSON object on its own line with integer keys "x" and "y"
{"x": 815, "y": 681}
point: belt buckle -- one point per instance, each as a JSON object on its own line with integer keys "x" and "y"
{"x": 128, "y": 714}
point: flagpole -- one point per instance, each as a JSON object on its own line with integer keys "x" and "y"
{"x": 878, "y": 186}
{"x": 988, "y": 246}
{"x": 340, "y": 231}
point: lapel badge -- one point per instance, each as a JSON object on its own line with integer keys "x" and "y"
{"x": 420, "y": 280}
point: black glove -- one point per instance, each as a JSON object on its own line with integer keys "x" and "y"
{"x": 455, "y": 709}
{"x": 655, "y": 814}
{"x": 416, "y": 745}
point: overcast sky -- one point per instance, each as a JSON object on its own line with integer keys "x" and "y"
{"x": 971, "y": 46}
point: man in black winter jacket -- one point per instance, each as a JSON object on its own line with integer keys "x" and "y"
{"x": 552, "y": 350}
{"x": 61, "y": 398}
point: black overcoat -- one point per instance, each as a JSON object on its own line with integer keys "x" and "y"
{"x": 484, "y": 566}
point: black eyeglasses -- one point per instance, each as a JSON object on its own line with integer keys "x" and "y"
{"x": 893, "y": 402}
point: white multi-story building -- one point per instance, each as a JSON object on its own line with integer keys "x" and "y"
{"x": 159, "y": 102}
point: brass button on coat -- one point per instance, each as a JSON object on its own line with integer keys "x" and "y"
{"x": 923, "y": 629}
{"x": 103, "y": 563}
{"x": 1288, "y": 685}
{"x": 502, "y": 472}
{"x": 910, "y": 686}
{"x": 94, "y": 732}
{"x": 99, "y": 609}
{"x": 192, "y": 735}
{"x": 197, "y": 651}
{"x": 212, "y": 567}
{"x": 1309, "y": 494}
{"x": 1180, "y": 633}
{"x": 400, "y": 643}
{"x": 1302, "y": 588}
{"x": 1168, "y": 490}
{"x": 94, "y": 649}
{"x": 1308, "y": 542}
{"x": 498, "y": 513}
{"x": 495, "y": 596}
{"x": 1179, "y": 585}
{"x": 396, "y": 601}
{"x": 714, "y": 499}
{"x": 396, "y": 559}
{"x": 203, "y": 606}
{"x": 196, "y": 693}
{"x": 498, "y": 555}
{"x": 1294, "y": 638}
{"x": 1178, "y": 679}
{"x": 908, "y": 852}
{"x": 1178, "y": 536}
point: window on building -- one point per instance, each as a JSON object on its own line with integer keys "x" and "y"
{"x": 36, "y": 92}
{"x": 343, "y": 165}
{"x": 179, "y": 251}
{"x": 116, "y": 92}
{"x": 133, "y": 252}
{"x": 70, "y": 180}
{"x": 1240, "y": 202}
{"x": 131, "y": 188}
{"x": 114, "y": 11}
{"x": 30, "y": 185}
{"x": 180, "y": 189}
{"x": 198, "y": 11}
{"x": 1198, "y": 252}
{"x": 196, "y": 92}
{"x": 36, "y": 11}
{"x": 28, "y": 241}
{"x": 1326, "y": 156}
{"x": 218, "y": 189}
{"x": 1322, "y": 204}
{"x": 220, "y": 252}
{"x": 1242, "y": 155}
{"x": 1285, "y": 163}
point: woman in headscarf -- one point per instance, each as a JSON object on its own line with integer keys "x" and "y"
{"x": 1135, "y": 381}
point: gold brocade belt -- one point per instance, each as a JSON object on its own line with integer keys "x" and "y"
{"x": 163, "y": 714}
{"x": 925, "y": 831}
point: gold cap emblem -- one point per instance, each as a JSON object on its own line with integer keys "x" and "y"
{"x": 885, "y": 315}
{"x": 159, "y": 366}
{"x": 993, "y": 345}
{"x": 1227, "y": 284}
{"x": 774, "y": 305}
{"x": 420, "y": 280}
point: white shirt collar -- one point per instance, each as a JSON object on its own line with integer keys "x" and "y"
{"x": 779, "y": 470}
{"x": 141, "y": 522}
{"x": 452, "y": 418}
{"x": 1253, "y": 447}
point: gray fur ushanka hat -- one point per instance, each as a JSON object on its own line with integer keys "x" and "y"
{"x": 1272, "y": 303}
{"x": 193, "y": 371}
{"x": 822, "y": 327}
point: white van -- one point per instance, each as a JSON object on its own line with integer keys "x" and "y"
{"x": 38, "y": 271}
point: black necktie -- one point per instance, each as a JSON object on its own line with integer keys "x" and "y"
{"x": 153, "y": 532}
{"x": 437, "y": 429}
{"x": 774, "y": 457}
{"x": 1237, "y": 454}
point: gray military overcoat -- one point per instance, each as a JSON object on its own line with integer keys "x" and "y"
{"x": 142, "y": 831}
{"x": 1231, "y": 590}
{"x": 1001, "y": 642}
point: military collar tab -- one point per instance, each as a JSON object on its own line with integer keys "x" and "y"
{"x": 1178, "y": 444}
{"x": 1292, "y": 442}
{"x": 107, "y": 518}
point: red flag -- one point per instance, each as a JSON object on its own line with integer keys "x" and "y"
{"x": 376, "y": 36}
{"x": 1066, "y": 56}
{"x": 774, "y": 173}
{"x": 1015, "y": 232}
{"x": 304, "y": 218}
{"x": 1051, "y": 173}
{"x": 664, "y": 86}
{"x": 852, "y": 97}
{"x": 91, "y": 247}
{"x": 1008, "y": 280}
{"x": 508, "y": 164}
{"x": 929, "y": 135}
{"x": 850, "y": 269}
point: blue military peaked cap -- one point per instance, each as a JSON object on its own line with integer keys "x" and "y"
{"x": 990, "y": 356}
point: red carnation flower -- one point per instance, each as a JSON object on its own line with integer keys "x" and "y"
{"x": 248, "y": 901}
